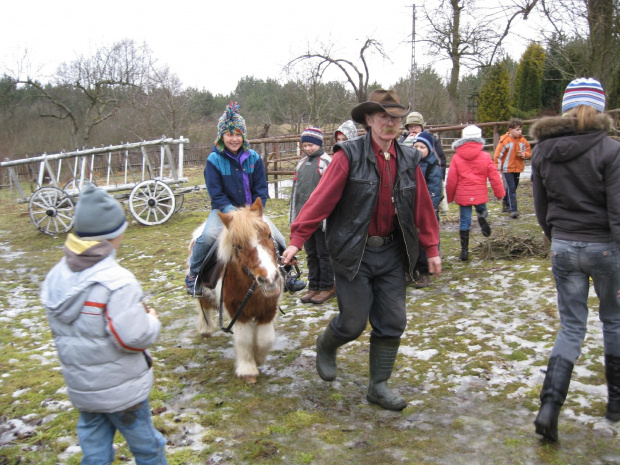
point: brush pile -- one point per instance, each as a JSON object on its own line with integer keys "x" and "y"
{"x": 507, "y": 246}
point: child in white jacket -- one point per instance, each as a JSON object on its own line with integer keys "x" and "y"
{"x": 102, "y": 329}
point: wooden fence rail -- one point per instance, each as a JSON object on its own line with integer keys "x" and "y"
{"x": 281, "y": 154}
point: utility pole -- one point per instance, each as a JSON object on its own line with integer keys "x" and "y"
{"x": 413, "y": 63}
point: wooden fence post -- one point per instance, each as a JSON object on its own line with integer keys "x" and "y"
{"x": 275, "y": 166}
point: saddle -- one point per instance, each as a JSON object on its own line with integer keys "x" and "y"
{"x": 211, "y": 268}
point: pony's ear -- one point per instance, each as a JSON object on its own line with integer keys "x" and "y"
{"x": 226, "y": 218}
{"x": 257, "y": 206}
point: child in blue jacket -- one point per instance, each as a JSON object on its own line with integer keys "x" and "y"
{"x": 433, "y": 174}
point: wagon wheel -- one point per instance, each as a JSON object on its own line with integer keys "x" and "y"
{"x": 72, "y": 187}
{"x": 151, "y": 202}
{"x": 178, "y": 199}
{"x": 51, "y": 210}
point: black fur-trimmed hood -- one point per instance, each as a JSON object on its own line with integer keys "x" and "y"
{"x": 559, "y": 141}
{"x": 559, "y": 126}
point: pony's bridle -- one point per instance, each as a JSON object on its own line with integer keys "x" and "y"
{"x": 250, "y": 292}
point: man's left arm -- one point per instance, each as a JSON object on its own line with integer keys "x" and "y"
{"x": 426, "y": 222}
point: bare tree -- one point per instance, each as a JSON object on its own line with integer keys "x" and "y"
{"x": 469, "y": 38}
{"x": 357, "y": 74}
{"x": 163, "y": 108}
{"x": 89, "y": 90}
{"x": 593, "y": 23}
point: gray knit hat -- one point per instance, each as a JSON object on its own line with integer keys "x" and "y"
{"x": 98, "y": 216}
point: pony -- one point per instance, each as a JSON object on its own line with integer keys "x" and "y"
{"x": 248, "y": 254}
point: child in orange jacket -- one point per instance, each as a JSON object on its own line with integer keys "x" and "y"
{"x": 510, "y": 152}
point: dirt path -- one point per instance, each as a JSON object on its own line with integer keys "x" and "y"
{"x": 469, "y": 365}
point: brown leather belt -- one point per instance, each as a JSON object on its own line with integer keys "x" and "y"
{"x": 379, "y": 241}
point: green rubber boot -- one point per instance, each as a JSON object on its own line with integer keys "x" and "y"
{"x": 382, "y": 357}
{"x": 326, "y": 348}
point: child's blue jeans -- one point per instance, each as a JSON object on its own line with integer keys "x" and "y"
{"x": 96, "y": 435}
{"x": 510, "y": 200}
{"x": 466, "y": 215}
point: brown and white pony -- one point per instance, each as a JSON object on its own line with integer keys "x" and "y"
{"x": 247, "y": 251}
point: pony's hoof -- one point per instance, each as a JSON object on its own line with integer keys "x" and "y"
{"x": 250, "y": 379}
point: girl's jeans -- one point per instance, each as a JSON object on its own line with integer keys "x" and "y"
{"x": 573, "y": 263}
{"x": 96, "y": 435}
{"x": 209, "y": 235}
{"x": 466, "y": 215}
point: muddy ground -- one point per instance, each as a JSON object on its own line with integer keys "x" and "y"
{"x": 470, "y": 364}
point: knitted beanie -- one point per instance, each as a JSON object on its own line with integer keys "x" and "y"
{"x": 584, "y": 91}
{"x": 231, "y": 121}
{"x": 425, "y": 138}
{"x": 312, "y": 135}
{"x": 471, "y": 132}
{"x": 98, "y": 216}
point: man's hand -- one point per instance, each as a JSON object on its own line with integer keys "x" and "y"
{"x": 288, "y": 254}
{"x": 434, "y": 265}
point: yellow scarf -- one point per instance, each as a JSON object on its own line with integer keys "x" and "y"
{"x": 77, "y": 245}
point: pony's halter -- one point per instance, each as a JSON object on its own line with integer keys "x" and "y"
{"x": 250, "y": 292}
{"x": 245, "y": 268}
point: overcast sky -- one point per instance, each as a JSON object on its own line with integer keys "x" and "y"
{"x": 212, "y": 44}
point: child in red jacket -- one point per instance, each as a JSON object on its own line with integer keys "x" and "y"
{"x": 467, "y": 183}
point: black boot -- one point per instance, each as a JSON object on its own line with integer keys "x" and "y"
{"x": 382, "y": 357}
{"x": 326, "y": 348}
{"x": 484, "y": 226}
{"x": 612, "y": 372}
{"x": 464, "y": 235}
{"x": 552, "y": 397}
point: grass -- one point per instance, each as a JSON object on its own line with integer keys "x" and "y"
{"x": 469, "y": 363}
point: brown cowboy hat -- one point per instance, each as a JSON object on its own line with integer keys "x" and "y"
{"x": 380, "y": 100}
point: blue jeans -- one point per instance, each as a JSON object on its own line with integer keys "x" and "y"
{"x": 573, "y": 263}
{"x": 466, "y": 215}
{"x": 96, "y": 434}
{"x": 209, "y": 236}
{"x": 510, "y": 199}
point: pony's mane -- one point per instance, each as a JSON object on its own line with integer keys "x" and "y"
{"x": 241, "y": 230}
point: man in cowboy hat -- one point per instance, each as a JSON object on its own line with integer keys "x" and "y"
{"x": 377, "y": 207}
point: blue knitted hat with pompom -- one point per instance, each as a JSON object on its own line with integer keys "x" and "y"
{"x": 231, "y": 121}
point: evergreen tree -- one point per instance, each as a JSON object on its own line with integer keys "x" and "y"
{"x": 494, "y": 98}
{"x": 528, "y": 97}
{"x": 565, "y": 60}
